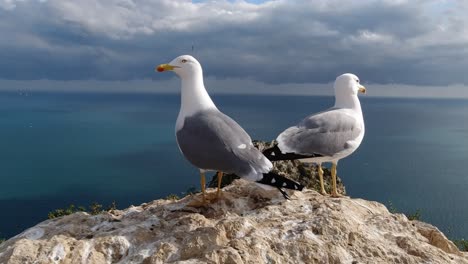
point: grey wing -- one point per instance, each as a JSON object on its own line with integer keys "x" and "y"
{"x": 326, "y": 133}
{"x": 211, "y": 140}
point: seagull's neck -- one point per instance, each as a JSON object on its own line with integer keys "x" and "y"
{"x": 194, "y": 98}
{"x": 350, "y": 102}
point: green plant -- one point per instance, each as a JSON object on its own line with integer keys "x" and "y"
{"x": 94, "y": 209}
{"x": 172, "y": 197}
{"x": 391, "y": 208}
{"x": 411, "y": 216}
{"x": 112, "y": 207}
{"x": 414, "y": 216}
{"x": 62, "y": 212}
{"x": 462, "y": 244}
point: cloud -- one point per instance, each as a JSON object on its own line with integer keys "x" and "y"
{"x": 271, "y": 42}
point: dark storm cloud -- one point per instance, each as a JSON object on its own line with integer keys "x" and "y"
{"x": 411, "y": 42}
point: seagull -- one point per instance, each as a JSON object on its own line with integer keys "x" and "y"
{"x": 211, "y": 140}
{"x": 326, "y": 136}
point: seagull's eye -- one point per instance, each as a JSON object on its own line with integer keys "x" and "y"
{"x": 357, "y": 80}
{"x": 183, "y": 61}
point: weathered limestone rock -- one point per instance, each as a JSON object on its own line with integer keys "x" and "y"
{"x": 248, "y": 224}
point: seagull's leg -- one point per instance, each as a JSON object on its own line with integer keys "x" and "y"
{"x": 220, "y": 177}
{"x": 196, "y": 202}
{"x": 202, "y": 183}
{"x": 333, "y": 173}
{"x": 320, "y": 173}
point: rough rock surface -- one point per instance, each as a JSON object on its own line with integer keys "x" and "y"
{"x": 248, "y": 224}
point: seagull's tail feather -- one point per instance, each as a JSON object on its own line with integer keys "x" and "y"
{"x": 274, "y": 154}
{"x": 280, "y": 182}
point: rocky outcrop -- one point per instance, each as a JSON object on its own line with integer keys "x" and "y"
{"x": 247, "y": 224}
{"x": 305, "y": 174}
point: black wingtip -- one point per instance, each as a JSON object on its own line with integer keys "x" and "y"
{"x": 285, "y": 194}
{"x": 274, "y": 154}
{"x": 280, "y": 182}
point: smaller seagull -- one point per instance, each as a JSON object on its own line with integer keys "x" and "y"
{"x": 326, "y": 136}
{"x": 211, "y": 140}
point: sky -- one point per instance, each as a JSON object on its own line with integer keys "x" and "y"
{"x": 396, "y": 47}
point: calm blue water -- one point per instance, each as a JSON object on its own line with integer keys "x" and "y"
{"x": 57, "y": 149}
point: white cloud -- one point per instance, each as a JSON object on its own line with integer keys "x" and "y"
{"x": 366, "y": 36}
{"x": 125, "y": 18}
{"x": 8, "y": 4}
{"x": 413, "y": 42}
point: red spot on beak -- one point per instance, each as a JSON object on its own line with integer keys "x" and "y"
{"x": 160, "y": 69}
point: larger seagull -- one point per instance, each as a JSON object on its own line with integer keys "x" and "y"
{"x": 326, "y": 136}
{"x": 211, "y": 140}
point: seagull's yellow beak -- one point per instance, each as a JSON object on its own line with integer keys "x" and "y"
{"x": 165, "y": 67}
{"x": 362, "y": 89}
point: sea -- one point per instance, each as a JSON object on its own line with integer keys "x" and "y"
{"x": 58, "y": 149}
